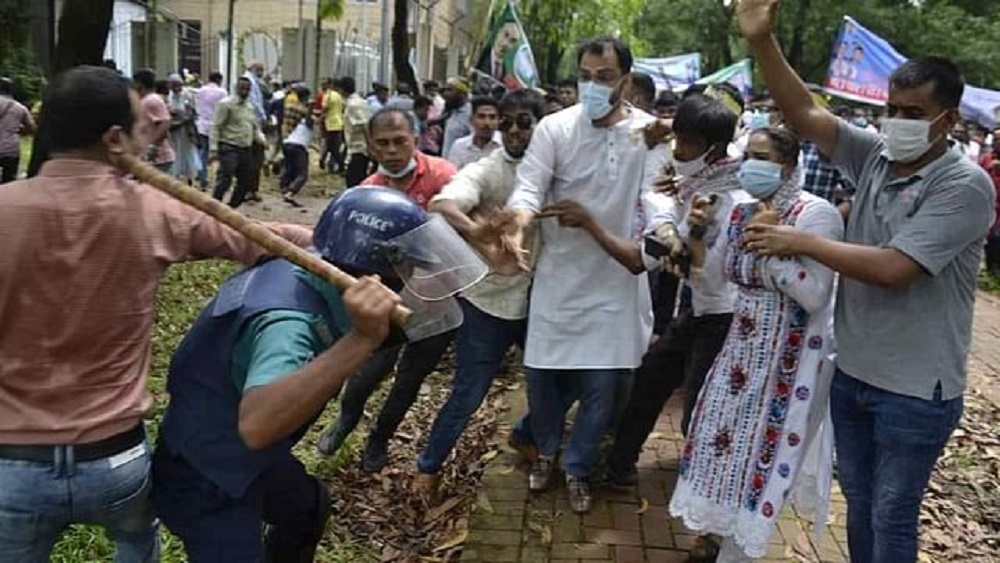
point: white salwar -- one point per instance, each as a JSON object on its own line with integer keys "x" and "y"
{"x": 587, "y": 311}
{"x": 760, "y": 432}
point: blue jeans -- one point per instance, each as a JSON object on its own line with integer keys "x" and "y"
{"x": 203, "y": 155}
{"x": 40, "y": 500}
{"x": 887, "y": 445}
{"x": 549, "y": 393}
{"x": 480, "y": 347}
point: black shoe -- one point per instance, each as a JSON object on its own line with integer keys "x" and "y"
{"x": 579, "y": 494}
{"x": 623, "y": 477}
{"x": 375, "y": 456}
{"x": 331, "y": 439}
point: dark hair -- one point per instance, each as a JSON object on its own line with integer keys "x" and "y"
{"x": 81, "y": 104}
{"x": 786, "y": 143}
{"x": 347, "y": 85}
{"x": 597, "y": 47}
{"x": 694, "y": 89}
{"x": 553, "y": 99}
{"x": 384, "y": 113}
{"x": 523, "y": 99}
{"x": 484, "y": 101}
{"x": 643, "y": 82}
{"x": 6, "y": 86}
{"x": 162, "y": 87}
{"x": 145, "y": 77}
{"x": 302, "y": 91}
{"x": 244, "y": 79}
{"x": 666, "y": 99}
{"x": 421, "y": 102}
{"x": 704, "y": 117}
{"x": 215, "y": 76}
{"x": 948, "y": 83}
{"x": 431, "y": 84}
{"x": 569, "y": 82}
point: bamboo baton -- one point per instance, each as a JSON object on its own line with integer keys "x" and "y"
{"x": 251, "y": 229}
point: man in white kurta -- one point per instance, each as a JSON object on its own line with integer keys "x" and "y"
{"x": 590, "y": 318}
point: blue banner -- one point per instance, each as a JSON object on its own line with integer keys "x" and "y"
{"x": 862, "y": 62}
{"x": 671, "y": 73}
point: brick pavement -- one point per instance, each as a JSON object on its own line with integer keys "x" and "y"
{"x": 516, "y": 526}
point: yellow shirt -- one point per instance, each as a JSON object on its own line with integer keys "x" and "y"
{"x": 333, "y": 111}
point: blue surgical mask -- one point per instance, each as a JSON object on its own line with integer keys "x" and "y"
{"x": 759, "y": 120}
{"x": 760, "y": 178}
{"x": 596, "y": 99}
{"x": 410, "y": 167}
{"x": 860, "y": 122}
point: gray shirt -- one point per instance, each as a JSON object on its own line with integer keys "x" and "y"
{"x": 913, "y": 340}
{"x": 456, "y": 126}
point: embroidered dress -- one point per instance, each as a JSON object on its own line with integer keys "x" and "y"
{"x": 764, "y": 399}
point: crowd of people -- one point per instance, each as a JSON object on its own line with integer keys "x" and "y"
{"x": 780, "y": 263}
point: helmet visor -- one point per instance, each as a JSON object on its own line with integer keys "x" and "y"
{"x": 434, "y": 261}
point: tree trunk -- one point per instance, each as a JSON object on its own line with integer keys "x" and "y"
{"x": 83, "y": 32}
{"x": 401, "y": 44}
{"x": 795, "y": 50}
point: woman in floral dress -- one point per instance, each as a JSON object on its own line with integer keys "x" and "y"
{"x": 764, "y": 399}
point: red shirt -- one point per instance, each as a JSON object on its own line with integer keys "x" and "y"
{"x": 991, "y": 163}
{"x": 431, "y": 174}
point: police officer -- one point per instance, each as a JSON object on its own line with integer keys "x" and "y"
{"x": 257, "y": 368}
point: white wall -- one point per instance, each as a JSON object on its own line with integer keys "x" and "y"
{"x": 119, "y": 46}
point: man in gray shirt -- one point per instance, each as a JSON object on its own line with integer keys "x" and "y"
{"x": 908, "y": 269}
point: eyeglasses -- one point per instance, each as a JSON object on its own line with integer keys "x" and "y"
{"x": 523, "y": 121}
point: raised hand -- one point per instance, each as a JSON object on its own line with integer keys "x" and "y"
{"x": 757, "y": 18}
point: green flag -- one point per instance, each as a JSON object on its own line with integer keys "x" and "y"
{"x": 739, "y": 75}
{"x": 507, "y": 56}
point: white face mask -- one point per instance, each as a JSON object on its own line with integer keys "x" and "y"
{"x": 688, "y": 168}
{"x": 596, "y": 99}
{"x": 410, "y": 166}
{"x": 907, "y": 140}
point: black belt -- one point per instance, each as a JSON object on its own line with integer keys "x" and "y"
{"x": 81, "y": 452}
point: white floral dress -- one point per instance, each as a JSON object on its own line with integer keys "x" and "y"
{"x": 764, "y": 399}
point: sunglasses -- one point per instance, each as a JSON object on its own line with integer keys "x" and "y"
{"x": 523, "y": 121}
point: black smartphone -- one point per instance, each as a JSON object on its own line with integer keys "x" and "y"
{"x": 655, "y": 248}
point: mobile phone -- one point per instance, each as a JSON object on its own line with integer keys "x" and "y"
{"x": 653, "y": 247}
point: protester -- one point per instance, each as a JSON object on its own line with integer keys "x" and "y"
{"x": 483, "y": 140}
{"x": 433, "y": 91}
{"x": 258, "y": 98}
{"x": 183, "y": 135}
{"x": 990, "y": 161}
{"x": 641, "y": 91}
{"x": 553, "y": 104}
{"x": 333, "y": 128}
{"x": 429, "y": 134}
{"x": 496, "y": 309}
{"x": 235, "y": 132}
{"x": 755, "y": 420}
{"x": 458, "y": 112}
{"x": 356, "y": 115}
{"x": 665, "y": 106}
{"x": 708, "y": 187}
{"x": 161, "y": 151}
{"x": 908, "y": 270}
{"x": 15, "y": 121}
{"x": 581, "y": 288}
{"x": 295, "y": 148}
{"x": 379, "y": 96}
{"x": 420, "y": 177}
{"x": 205, "y": 100}
{"x": 78, "y": 279}
{"x": 567, "y": 92}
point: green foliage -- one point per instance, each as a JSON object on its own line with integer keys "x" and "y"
{"x": 16, "y": 60}
{"x": 331, "y": 9}
{"x": 968, "y": 31}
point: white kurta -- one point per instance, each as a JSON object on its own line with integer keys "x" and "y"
{"x": 587, "y": 311}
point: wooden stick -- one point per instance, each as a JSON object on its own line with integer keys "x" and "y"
{"x": 249, "y": 228}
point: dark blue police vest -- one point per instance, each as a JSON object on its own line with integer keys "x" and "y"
{"x": 201, "y": 422}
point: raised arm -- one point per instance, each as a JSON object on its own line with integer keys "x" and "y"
{"x": 757, "y": 20}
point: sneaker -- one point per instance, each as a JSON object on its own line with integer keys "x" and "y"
{"x": 541, "y": 473}
{"x": 705, "y": 549}
{"x": 527, "y": 450}
{"x": 427, "y": 485}
{"x": 375, "y": 456}
{"x": 331, "y": 439}
{"x": 579, "y": 494}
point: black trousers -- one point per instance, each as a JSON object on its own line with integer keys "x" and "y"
{"x": 8, "y": 168}
{"x": 258, "y": 153}
{"x": 417, "y": 361}
{"x": 358, "y": 168}
{"x": 681, "y": 357}
{"x": 295, "y": 171}
{"x": 993, "y": 254}
{"x": 234, "y": 163}
{"x": 663, "y": 290}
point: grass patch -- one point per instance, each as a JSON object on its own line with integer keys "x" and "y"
{"x": 182, "y": 294}
{"x": 989, "y": 282}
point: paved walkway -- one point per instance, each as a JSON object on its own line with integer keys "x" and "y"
{"x": 632, "y": 526}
